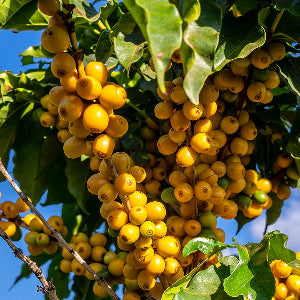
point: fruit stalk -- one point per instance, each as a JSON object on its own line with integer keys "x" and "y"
{"x": 115, "y": 174}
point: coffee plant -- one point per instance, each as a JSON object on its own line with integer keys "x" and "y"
{"x": 149, "y": 121}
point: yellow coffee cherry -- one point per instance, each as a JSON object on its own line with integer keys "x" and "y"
{"x": 256, "y": 91}
{"x": 276, "y": 51}
{"x": 260, "y": 59}
{"x": 229, "y": 124}
{"x": 272, "y": 81}
{"x": 239, "y": 146}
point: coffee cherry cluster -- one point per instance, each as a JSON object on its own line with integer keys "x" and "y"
{"x": 10, "y": 218}
{"x": 39, "y": 238}
{"x": 90, "y": 249}
{"x": 286, "y": 175}
{"x": 287, "y": 280}
{"x": 82, "y": 106}
{"x": 107, "y": 264}
{"x": 136, "y": 216}
{"x": 213, "y": 141}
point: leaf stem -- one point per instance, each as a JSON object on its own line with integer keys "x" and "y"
{"x": 106, "y": 24}
{"x": 101, "y": 25}
{"x": 136, "y": 108}
{"x": 276, "y": 21}
{"x": 101, "y": 281}
{"x": 273, "y": 28}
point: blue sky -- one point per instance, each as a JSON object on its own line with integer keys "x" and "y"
{"x": 13, "y": 44}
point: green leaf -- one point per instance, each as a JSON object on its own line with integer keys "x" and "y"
{"x": 18, "y": 15}
{"x": 127, "y": 52}
{"x": 294, "y": 137}
{"x": 34, "y": 51}
{"x": 207, "y": 246}
{"x": 278, "y": 248}
{"x": 111, "y": 64}
{"x": 69, "y": 216}
{"x": 295, "y": 264}
{"x": 175, "y": 288}
{"x": 108, "y": 9}
{"x": 125, "y": 25}
{"x": 138, "y": 14}
{"x": 288, "y": 28}
{"x": 103, "y": 47}
{"x": 77, "y": 173}
{"x": 201, "y": 38}
{"x": 293, "y": 6}
{"x": 27, "y": 170}
{"x": 190, "y": 10}
{"x": 246, "y": 278}
{"x": 241, "y": 220}
{"x": 289, "y": 68}
{"x": 202, "y": 286}
{"x": 274, "y": 211}
{"x": 241, "y": 7}
{"x": 9, "y": 119}
{"x": 59, "y": 278}
{"x": 239, "y": 37}
{"x": 84, "y": 12}
{"x": 58, "y": 185}
{"x": 160, "y": 24}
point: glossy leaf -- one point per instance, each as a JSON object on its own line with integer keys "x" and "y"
{"x": 58, "y": 185}
{"x": 103, "y": 47}
{"x": 108, "y": 9}
{"x": 160, "y": 23}
{"x": 127, "y": 52}
{"x": 19, "y": 15}
{"x": 202, "y": 286}
{"x": 190, "y": 10}
{"x": 278, "y": 249}
{"x": 179, "y": 285}
{"x": 207, "y": 246}
{"x": 295, "y": 264}
{"x": 9, "y": 120}
{"x": 293, "y": 6}
{"x": 239, "y": 37}
{"x": 274, "y": 211}
{"x": 59, "y": 278}
{"x": 77, "y": 173}
{"x": 288, "y": 28}
{"x": 246, "y": 280}
{"x": 84, "y": 11}
{"x": 125, "y": 25}
{"x": 69, "y": 216}
{"x": 201, "y": 38}
{"x": 241, "y": 220}
{"x": 241, "y": 7}
{"x": 27, "y": 170}
{"x": 289, "y": 68}
{"x": 294, "y": 137}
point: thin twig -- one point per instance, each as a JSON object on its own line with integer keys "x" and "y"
{"x": 58, "y": 236}
{"x": 48, "y": 287}
{"x": 115, "y": 174}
